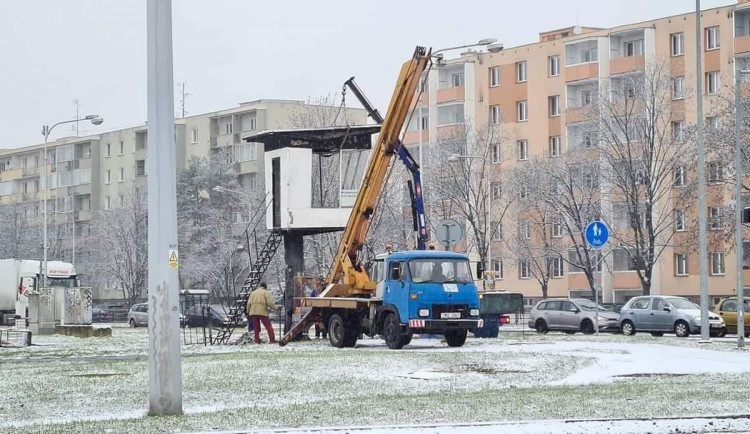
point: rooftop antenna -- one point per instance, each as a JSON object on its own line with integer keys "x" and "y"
{"x": 183, "y": 98}
{"x": 78, "y": 107}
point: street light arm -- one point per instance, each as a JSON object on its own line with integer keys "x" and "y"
{"x": 46, "y": 130}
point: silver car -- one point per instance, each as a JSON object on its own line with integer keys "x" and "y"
{"x": 570, "y": 316}
{"x": 663, "y": 314}
{"x": 138, "y": 315}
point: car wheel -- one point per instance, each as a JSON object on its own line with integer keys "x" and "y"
{"x": 628, "y": 329}
{"x": 541, "y": 326}
{"x": 392, "y": 334}
{"x": 657, "y": 334}
{"x": 682, "y": 329}
{"x": 132, "y": 323}
{"x": 455, "y": 338}
{"x": 587, "y": 327}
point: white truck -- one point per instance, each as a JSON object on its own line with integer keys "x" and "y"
{"x": 21, "y": 277}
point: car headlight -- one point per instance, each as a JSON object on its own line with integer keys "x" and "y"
{"x": 424, "y": 312}
{"x": 473, "y": 312}
{"x": 697, "y": 318}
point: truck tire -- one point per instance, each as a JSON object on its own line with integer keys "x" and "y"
{"x": 351, "y": 333}
{"x": 392, "y": 334}
{"x": 455, "y": 338}
{"x": 408, "y": 337}
{"x": 337, "y": 331}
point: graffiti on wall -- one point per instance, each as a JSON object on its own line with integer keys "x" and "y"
{"x": 77, "y": 306}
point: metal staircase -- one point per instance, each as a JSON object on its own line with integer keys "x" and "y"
{"x": 257, "y": 270}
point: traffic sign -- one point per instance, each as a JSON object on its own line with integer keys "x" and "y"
{"x": 597, "y": 234}
{"x": 449, "y": 233}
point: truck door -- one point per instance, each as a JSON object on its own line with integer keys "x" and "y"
{"x": 397, "y": 289}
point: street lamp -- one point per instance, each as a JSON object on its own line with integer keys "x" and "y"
{"x": 220, "y": 189}
{"x": 455, "y": 158}
{"x": 72, "y": 216}
{"x": 490, "y": 43}
{"x": 46, "y": 130}
{"x": 740, "y": 284}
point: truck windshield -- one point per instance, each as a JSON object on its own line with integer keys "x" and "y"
{"x": 440, "y": 271}
{"x": 69, "y": 282}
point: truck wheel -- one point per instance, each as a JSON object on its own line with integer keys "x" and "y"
{"x": 455, "y": 338}
{"x": 407, "y": 338}
{"x": 337, "y": 331}
{"x": 351, "y": 333}
{"x": 392, "y": 332}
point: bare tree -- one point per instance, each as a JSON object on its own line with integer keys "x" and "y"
{"x": 119, "y": 246}
{"x": 20, "y": 234}
{"x": 645, "y": 150}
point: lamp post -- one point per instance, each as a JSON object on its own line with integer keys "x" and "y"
{"x": 740, "y": 284}
{"x": 454, "y": 158}
{"x": 220, "y": 189}
{"x": 46, "y": 130}
{"x": 72, "y": 216}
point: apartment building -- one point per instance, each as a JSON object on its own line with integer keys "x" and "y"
{"x": 537, "y": 94}
{"x": 98, "y": 172}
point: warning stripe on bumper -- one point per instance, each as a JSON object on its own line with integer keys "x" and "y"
{"x": 416, "y": 323}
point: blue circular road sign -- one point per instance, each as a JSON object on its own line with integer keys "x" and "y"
{"x": 597, "y": 234}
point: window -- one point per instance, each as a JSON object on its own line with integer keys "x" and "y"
{"x": 629, "y": 90}
{"x": 121, "y": 177}
{"x": 108, "y": 176}
{"x": 679, "y": 220}
{"x": 715, "y": 219}
{"x": 523, "y": 150}
{"x": 497, "y": 233}
{"x": 587, "y": 98}
{"x": 554, "y": 146}
{"x": 245, "y": 152}
{"x": 140, "y": 167}
{"x": 228, "y": 128}
{"x": 107, "y": 203}
{"x": 554, "y": 105}
{"x": 680, "y": 176}
{"x": 121, "y": 200}
{"x": 450, "y": 114}
{"x": 497, "y": 190}
{"x": 523, "y": 191}
{"x": 641, "y": 303}
{"x": 554, "y": 66}
{"x": 194, "y": 135}
{"x": 633, "y": 48}
{"x": 495, "y": 76}
{"x": 457, "y": 79}
{"x": 525, "y": 230}
{"x": 556, "y": 264}
{"x": 108, "y": 152}
{"x": 713, "y": 123}
{"x": 590, "y": 140}
{"x": 624, "y": 259}
{"x": 678, "y": 131}
{"x": 497, "y": 267}
{"x": 712, "y": 38}
{"x": 497, "y": 153}
{"x": 713, "y": 83}
{"x": 524, "y": 269}
{"x": 425, "y": 122}
{"x": 729, "y": 306}
{"x": 522, "y": 109}
{"x": 717, "y": 264}
{"x": 589, "y": 179}
{"x": 122, "y": 148}
{"x": 680, "y": 264}
{"x": 521, "y": 71}
{"x": 495, "y": 114}
{"x": 678, "y": 87}
{"x": 677, "y": 44}
{"x": 557, "y": 227}
{"x": 715, "y": 172}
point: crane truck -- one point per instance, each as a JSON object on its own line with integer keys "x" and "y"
{"x": 407, "y": 292}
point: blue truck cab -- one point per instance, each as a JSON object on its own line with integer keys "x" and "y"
{"x": 425, "y": 292}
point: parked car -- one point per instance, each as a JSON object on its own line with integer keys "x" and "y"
{"x": 570, "y": 316}
{"x": 138, "y": 315}
{"x": 662, "y": 314}
{"x": 213, "y": 315}
{"x": 101, "y": 315}
{"x": 116, "y": 312}
{"x": 727, "y": 310}
{"x": 613, "y": 307}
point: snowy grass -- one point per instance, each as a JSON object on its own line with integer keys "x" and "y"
{"x": 100, "y": 384}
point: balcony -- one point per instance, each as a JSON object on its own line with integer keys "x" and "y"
{"x": 450, "y": 94}
{"x": 9, "y": 175}
{"x": 623, "y": 65}
{"x": 742, "y": 30}
{"x": 412, "y": 137}
{"x": 627, "y": 51}
{"x": 584, "y": 71}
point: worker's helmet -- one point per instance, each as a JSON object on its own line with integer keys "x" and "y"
{"x": 431, "y": 246}
{"x": 388, "y": 247}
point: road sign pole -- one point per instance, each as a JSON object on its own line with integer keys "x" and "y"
{"x": 597, "y": 235}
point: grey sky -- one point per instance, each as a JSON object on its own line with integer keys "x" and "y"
{"x": 229, "y": 51}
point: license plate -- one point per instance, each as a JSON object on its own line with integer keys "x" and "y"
{"x": 450, "y": 315}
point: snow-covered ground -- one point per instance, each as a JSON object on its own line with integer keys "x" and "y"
{"x": 82, "y": 385}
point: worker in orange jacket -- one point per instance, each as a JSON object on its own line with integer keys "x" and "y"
{"x": 258, "y": 305}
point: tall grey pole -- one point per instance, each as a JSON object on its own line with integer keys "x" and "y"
{"x": 45, "y": 131}
{"x": 165, "y": 376}
{"x": 738, "y": 207}
{"x": 702, "y": 243}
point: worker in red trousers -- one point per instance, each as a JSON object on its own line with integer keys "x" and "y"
{"x": 258, "y": 305}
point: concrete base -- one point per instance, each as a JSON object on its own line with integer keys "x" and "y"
{"x": 83, "y": 331}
